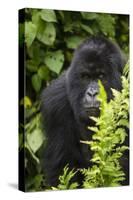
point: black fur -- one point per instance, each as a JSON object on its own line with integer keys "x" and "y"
{"x": 65, "y": 117}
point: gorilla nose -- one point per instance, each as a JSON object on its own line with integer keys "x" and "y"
{"x": 92, "y": 92}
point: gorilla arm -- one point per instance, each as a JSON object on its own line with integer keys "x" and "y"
{"x": 62, "y": 136}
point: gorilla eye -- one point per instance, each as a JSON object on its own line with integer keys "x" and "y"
{"x": 101, "y": 75}
{"x": 85, "y": 76}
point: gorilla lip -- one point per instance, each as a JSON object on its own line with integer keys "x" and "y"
{"x": 94, "y": 111}
{"x": 91, "y": 108}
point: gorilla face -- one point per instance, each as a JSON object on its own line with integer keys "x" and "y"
{"x": 92, "y": 61}
{"x": 89, "y": 103}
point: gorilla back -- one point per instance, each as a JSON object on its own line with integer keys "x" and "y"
{"x": 69, "y": 101}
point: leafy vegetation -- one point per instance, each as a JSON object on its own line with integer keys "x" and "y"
{"x": 50, "y": 38}
{"x": 107, "y": 142}
{"x": 65, "y": 180}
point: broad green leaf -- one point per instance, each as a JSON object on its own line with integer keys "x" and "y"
{"x": 68, "y": 27}
{"x": 30, "y": 33}
{"x": 46, "y": 33}
{"x": 27, "y": 146}
{"x": 36, "y": 182}
{"x": 48, "y": 15}
{"x": 54, "y": 61}
{"x": 72, "y": 26}
{"x": 43, "y": 72}
{"x": 36, "y": 53}
{"x": 31, "y": 66}
{"x": 35, "y": 139}
{"x": 36, "y": 17}
{"x": 89, "y": 16}
{"x": 87, "y": 29}
{"x": 26, "y": 101}
{"x": 61, "y": 14}
{"x": 36, "y": 82}
{"x": 106, "y": 23}
{"x": 74, "y": 41}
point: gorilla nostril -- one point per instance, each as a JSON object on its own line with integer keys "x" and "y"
{"x": 92, "y": 92}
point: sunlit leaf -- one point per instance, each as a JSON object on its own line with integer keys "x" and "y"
{"x": 106, "y": 24}
{"x": 89, "y": 16}
{"x": 26, "y": 101}
{"x": 48, "y": 15}
{"x": 54, "y": 61}
{"x": 43, "y": 72}
{"x": 46, "y": 33}
{"x": 35, "y": 139}
{"x": 87, "y": 29}
{"x": 30, "y": 33}
{"x": 31, "y": 66}
{"x": 36, "y": 82}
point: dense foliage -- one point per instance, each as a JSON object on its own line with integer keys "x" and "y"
{"x": 50, "y": 37}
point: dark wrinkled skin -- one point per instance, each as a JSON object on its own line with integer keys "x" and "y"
{"x": 69, "y": 101}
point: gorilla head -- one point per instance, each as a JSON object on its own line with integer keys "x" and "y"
{"x": 69, "y": 101}
{"x": 96, "y": 58}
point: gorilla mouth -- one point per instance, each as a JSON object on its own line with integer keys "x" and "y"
{"x": 92, "y": 111}
{"x": 88, "y": 112}
{"x": 91, "y": 107}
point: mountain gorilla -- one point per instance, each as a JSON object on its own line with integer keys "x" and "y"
{"x": 69, "y": 101}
